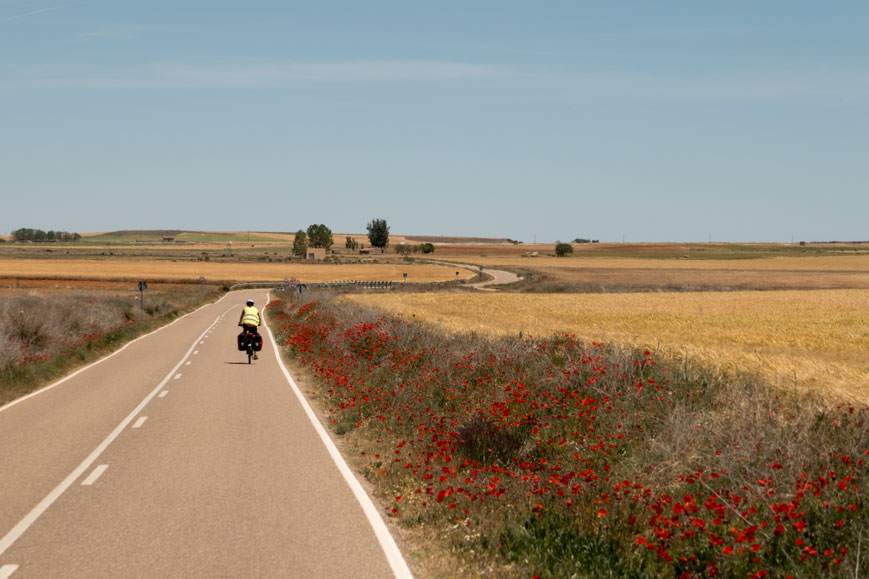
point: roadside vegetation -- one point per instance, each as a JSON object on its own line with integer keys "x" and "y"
{"x": 43, "y": 337}
{"x": 812, "y": 340}
{"x": 555, "y": 457}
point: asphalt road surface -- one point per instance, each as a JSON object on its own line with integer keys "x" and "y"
{"x": 175, "y": 458}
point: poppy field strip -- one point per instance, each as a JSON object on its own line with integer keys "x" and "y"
{"x": 554, "y": 456}
{"x": 815, "y": 340}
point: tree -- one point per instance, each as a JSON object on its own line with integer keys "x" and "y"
{"x": 28, "y": 234}
{"x": 300, "y": 243}
{"x": 562, "y": 249}
{"x": 378, "y": 233}
{"x": 319, "y": 236}
{"x": 351, "y": 243}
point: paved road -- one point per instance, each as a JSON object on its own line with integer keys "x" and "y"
{"x": 175, "y": 458}
{"x": 499, "y": 277}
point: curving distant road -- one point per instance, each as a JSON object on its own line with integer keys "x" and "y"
{"x": 175, "y": 458}
{"x": 499, "y": 277}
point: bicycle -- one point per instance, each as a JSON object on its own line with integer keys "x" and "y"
{"x": 249, "y": 343}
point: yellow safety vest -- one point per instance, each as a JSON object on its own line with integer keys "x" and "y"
{"x": 251, "y": 316}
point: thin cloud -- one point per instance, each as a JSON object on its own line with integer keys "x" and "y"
{"x": 33, "y": 13}
{"x": 514, "y": 83}
{"x": 120, "y": 32}
{"x": 703, "y": 32}
{"x": 249, "y": 75}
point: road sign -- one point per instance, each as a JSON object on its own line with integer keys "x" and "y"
{"x": 142, "y": 287}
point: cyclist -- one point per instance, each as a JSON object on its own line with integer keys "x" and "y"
{"x": 250, "y": 321}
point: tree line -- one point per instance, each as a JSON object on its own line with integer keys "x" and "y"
{"x": 28, "y": 234}
{"x": 318, "y": 235}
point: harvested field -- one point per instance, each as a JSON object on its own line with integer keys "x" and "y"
{"x": 599, "y": 274}
{"x": 816, "y": 340}
{"x": 657, "y": 251}
{"x": 855, "y": 263}
{"x": 688, "y": 279}
{"x": 224, "y": 272}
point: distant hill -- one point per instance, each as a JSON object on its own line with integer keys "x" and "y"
{"x": 147, "y": 232}
{"x": 186, "y": 235}
{"x": 458, "y": 240}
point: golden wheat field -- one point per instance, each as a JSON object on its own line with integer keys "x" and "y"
{"x": 805, "y": 339}
{"x": 116, "y": 268}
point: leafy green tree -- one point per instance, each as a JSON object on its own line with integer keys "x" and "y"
{"x": 562, "y": 249}
{"x": 300, "y": 243}
{"x": 378, "y": 233}
{"x": 351, "y": 243}
{"x": 319, "y": 236}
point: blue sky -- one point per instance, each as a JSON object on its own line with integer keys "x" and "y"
{"x": 642, "y": 121}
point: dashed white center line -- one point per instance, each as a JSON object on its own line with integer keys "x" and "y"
{"x": 7, "y": 570}
{"x": 163, "y": 394}
{"x": 178, "y": 375}
{"x": 92, "y": 478}
{"x": 140, "y": 422}
{"x": 36, "y": 512}
{"x": 202, "y": 341}
{"x": 195, "y": 352}
{"x": 187, "y": 363}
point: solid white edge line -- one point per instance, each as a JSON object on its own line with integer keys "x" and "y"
{"x": 37, "y": 511}
{"x": 6, "y": 571}
{"x": 387, "y": 542}
{"x": 9, "y": 405}
{"x": 140, "y": 422}
{"x": 93, "y": 476}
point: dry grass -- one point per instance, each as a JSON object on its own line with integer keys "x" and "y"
{"x": 168, "y": 270}
{"x": 46, "y": 332}
{"x": 817, "y": 340}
